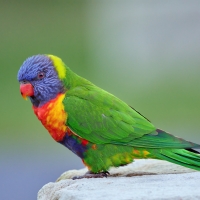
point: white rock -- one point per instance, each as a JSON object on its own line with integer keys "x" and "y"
{"x": 143, "y": 179}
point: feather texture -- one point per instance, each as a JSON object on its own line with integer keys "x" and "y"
{"x": 97, "y": 126}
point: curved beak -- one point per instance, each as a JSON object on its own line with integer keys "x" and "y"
{"x": 26, "y": 90}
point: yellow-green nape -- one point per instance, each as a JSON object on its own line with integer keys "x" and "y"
{"x": 59, "y": 65}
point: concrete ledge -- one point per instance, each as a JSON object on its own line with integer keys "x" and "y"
{"x": 143, "y": 179}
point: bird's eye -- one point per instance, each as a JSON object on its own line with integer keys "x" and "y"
{"x": 23, "y": 81}
{"x": 40, "y": 75}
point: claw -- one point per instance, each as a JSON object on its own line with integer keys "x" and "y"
{"x": 90, "y": 174}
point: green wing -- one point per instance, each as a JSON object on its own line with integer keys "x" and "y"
{"x": 101, "y": 118}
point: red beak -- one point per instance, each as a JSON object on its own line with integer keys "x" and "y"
{"x": 26, "y": 90}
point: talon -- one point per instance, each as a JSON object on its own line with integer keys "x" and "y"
{"x": 90, "y": 174}
{"x": 106, "y": 173}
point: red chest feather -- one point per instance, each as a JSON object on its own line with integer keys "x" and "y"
{"x": 53, "y": 117}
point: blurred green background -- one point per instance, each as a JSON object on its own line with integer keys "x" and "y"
{"x": 144, "y": 52}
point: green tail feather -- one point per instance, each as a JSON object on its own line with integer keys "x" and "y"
{"x": 181, "y": 157}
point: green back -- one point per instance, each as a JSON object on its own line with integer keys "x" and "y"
{"x": 99, "y": 117}
{"x": 102, "y": 118}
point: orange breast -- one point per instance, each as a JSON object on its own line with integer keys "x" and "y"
{"x": 53, "y": 117}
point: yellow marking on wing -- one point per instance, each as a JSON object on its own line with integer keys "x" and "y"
{"x": 140, "y": 153}
{"x": 59, "y": 65}
{"x": 121, "y": 158}
{"x": 145, "y": 153}
{"x": 135, "y": 151}
{"x": 128, "y": 158}
{"x": 94, "y": 146}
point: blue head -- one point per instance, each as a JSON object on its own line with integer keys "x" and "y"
{"x": 40, "y": 79}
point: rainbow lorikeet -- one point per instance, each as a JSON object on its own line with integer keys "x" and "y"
{"x": 94, "y": 124}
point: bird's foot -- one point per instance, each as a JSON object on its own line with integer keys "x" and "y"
{"x": 90, "y": 174}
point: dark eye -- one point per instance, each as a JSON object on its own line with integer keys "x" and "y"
{"x": 23, "y": 81}
{"x": 40, "y": 75}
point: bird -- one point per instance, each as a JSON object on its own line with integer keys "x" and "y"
{"x": 102, "y": 130}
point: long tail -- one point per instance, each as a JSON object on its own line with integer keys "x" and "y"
{"x": 187, "y": 158}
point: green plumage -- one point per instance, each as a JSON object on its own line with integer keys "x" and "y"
{"x": 97, "y": 126}
{"x": 119, "y": 132}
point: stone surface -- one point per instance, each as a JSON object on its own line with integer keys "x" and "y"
{"x": 143, "y": 179}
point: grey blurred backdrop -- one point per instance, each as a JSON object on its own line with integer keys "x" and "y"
{"x": 144, "y": 52}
